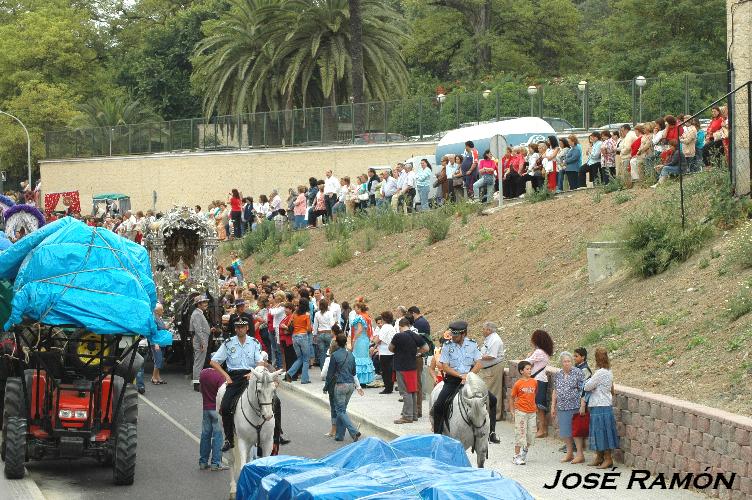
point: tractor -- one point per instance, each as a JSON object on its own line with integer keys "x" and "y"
{"x": 68, "y": 394}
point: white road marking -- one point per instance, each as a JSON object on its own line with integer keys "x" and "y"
{"x": 170, "y": 419}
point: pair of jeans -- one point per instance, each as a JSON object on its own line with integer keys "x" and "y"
{"x": 300, "y": 222}
{"x": 342, "y": 394}
{"x": 486, "y": 180}
{"x": 423, "y": 197}
{"x": 211, "y": 439}
{"x": 387, "y": 371}
{"x": 276, "y": 352}
{"x": 158, "y": 357}
{"x": 302, "y": 347}
{"x": 236, "y": 217}
{"x": 573, "y": 178}
{"x": 140, "y": 377}
{"x": 560, "y": 180}
{"x": 322, "y": 342}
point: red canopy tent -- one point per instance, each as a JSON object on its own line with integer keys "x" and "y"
{"x": 71, "y": 200}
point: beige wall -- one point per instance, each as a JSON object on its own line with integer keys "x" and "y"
{"x": 197, "y": 178}
{"x": 739, "y": 40}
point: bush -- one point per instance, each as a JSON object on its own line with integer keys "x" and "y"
{"x": 614, "y": 184}
{"x": 339, "y": 229}
{"x": 542, "y": 194}
{"x": 369, "y": 237}
{"x": 653, "y": 241}
{"x": 298, "y": 241}
{"x": 252, "y": 242}
{"x": 622, "y": 197}
{"x": 741, "y": 253}
{"x": 533, "y": 309}
{"x": 338, "y": 254}
{"x": 740, "y": 304}
{"x": 437, "y": 224}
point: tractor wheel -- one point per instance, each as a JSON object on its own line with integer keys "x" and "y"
{"x": 15, "y": 447}
{"x": 124, "y": 461}
{"x": 12, "y": 407}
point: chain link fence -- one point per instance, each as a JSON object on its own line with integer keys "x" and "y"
{"x": 566, "y": 106}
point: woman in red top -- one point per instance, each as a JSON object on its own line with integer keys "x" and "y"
{"x": 511, "y": 177}
{"x": 673, "y": 131}
{"x": 236, "y": 207}
{"x": 712, "y": 146}
{"x": 285, "y": 338}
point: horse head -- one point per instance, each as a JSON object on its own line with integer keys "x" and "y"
{"x": 262, "y": 385}
{"x": 475, "y": 393}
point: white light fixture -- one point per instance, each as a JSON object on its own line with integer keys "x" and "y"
{"x": 486, "y": 93}
{"x": 441, "y": 98}
{"x": 532, "y": 90}
{"x": 640, "y": 81}
{"x": 582, "y": 85}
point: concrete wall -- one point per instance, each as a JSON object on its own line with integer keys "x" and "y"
{"x": 668, "y": 435}
{"x": 739, "y": 40}
{"x": 198, "y": 178}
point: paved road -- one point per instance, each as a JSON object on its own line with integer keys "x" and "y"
{"x": 167, "y": 464}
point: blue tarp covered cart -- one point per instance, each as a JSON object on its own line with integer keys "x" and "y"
{"x": 423, "y": 466}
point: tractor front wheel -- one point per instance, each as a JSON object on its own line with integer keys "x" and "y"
{"x": 15, "y": 447}
{"x": 124, "y": 461}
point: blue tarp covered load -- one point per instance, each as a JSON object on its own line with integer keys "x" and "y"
{"x": 422, "y": 466}
{"x": 68, "y": 273}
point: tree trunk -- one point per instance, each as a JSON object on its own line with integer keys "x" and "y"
{"x": 479, "y": 17}
{"x": 356, "y": 56}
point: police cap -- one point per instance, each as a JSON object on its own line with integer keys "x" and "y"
{"x": 458, "y": 327}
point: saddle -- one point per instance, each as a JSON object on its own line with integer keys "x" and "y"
{"x": 449, "y": 408}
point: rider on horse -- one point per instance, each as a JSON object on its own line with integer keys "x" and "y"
{"x": 458, "y": 357}
{"x": 241, "y": 354}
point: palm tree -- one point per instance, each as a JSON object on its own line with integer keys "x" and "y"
{"x": 233, "y": 65}
{"x": 356, "y": 56}
{"x": 100, "y": 112}
{"x": 276, "y": 54}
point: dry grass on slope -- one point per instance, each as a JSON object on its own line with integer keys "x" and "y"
{"x": 525, "y": 268}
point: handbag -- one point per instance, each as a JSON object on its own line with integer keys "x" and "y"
{"x": 581, "y": 425}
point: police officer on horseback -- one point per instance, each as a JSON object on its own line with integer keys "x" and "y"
{"x": 241, "y": 354}
{"x": 459, "y": 356}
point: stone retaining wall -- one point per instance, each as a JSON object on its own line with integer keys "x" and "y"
{"x": 668, "y": 435}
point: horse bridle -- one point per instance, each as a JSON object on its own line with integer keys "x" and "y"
{"x": 257, "y": 411}
{"x": 465, "y": 414}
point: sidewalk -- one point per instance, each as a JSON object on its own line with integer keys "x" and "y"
{"x": 374, "y": 413}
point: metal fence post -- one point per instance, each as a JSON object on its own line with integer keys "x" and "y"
{"x": 686, "y": 93}
{"x": 634, "y": 110}
{"x": 386, "y": 125}
{"x": 321, "y": 126}
{"x": 497, "y": 105}
{"x": 240, "y": 131}
{"x": 420, "y": 118}
{"x": 457, "y": 108}
{"x": 609, "y": 103}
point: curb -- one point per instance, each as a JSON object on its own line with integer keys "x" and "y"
{"x": 358, "y": 419}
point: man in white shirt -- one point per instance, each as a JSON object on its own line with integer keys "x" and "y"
{"x": 401, "y": 176}
{"x": 492, "y": 362}
{"x": 408, "y": 190}
{"x": 275, "y": 204}
{"x": 625, "y": 153}
{"x": 331, "y": 191}
{"x": 383, "y": 337}
{"x": 129, "y": 224}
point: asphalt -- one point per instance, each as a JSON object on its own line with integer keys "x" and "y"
{"x": 167, "y": 461}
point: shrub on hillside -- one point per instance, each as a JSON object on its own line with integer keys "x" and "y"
{"x": 437, "y": 224}
{"x": 338, "y": 253}
{"x": 741, "y": 253}
{"x": 614, "y": 184}
{"x": 252, "y": 242}
{"x": 543, "y": 194}
{"x": 654, "y": 241}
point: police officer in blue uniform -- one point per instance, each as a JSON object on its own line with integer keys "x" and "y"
{"x": 459, "y": 356}
{"x": 241, "y": 354}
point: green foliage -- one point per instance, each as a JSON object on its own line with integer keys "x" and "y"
{"x": 696, "y": 341}
{"x": 615, "y": 184}
{"x": 369, "y": 238}
{"x": 437, "y": 224}
{"x": 338, "y": 229}
{"x": 543, "y": 194}
{"x": 622, "y": 197}
{"x": 100, "y": 112}
{"x": 298, "y": 240}
{"x": 741, "y": 253}
{"x": 253, "y": 241}
{"x": 338, "y": 253}
{"x": 533, "y": 309}
{"x": 484, "y": 235}
{"x": 740, "y": 304}
{"x": 399, "y": 266}
{"x": 738, "y": 341}
{"x": 610, "y": 329}
{"x": 704, "y": 263}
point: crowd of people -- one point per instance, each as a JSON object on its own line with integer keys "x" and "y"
{"x": 301, "y": 326}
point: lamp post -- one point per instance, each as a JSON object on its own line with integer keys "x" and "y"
{"x": 531, "y": 91}
{"x": 28, "y": 145}
{"x": 486, "y": 93}
{"x": 583, "y": 88}
{"x": 440, "y": 98}
{"x": 640, "y": 81}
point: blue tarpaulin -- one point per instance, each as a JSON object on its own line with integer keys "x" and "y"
{"x": 68, "y": 273}
{"x": 423, "y": 466}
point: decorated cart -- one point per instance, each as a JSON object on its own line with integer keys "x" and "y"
{"x": 182, "y": 248}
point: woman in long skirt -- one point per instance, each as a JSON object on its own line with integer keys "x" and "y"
{"x": 361, "y": 329}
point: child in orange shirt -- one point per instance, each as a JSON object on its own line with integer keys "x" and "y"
{"x": 522, "y": 400}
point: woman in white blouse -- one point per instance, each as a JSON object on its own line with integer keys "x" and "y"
{"x": 323, "y": 321}
{"x": 382, "y": 339}
{"x": 603, "y": 434}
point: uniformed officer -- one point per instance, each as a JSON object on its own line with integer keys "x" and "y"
{"x": 240, "y": 312}
{"x": 241, "y": 354}
{"x": 458, "y": 358}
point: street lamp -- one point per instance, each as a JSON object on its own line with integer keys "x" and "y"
{"x": 28, "y": 145}
{"x": 583, "y": 88}
{"x": 531, "y": 91}
{"x": 486, "y": 93}
{"x": 440, "y": 98}
{"x": 640, "y": 81}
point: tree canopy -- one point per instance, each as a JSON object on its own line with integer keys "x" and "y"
{"x": 183, "y": 58}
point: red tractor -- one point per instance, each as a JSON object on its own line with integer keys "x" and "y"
{"x": 70, "y": 395}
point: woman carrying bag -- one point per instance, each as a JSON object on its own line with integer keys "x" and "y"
{"x": 341, "y": 379}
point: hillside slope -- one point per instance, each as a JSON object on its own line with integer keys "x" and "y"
{"x": 526, "y": 268}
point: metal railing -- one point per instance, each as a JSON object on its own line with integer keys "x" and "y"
{"x": 567, "y": 105}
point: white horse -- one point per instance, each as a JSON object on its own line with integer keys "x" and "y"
{"x": 469, "y": 422}
{"x": 254, "y": 419}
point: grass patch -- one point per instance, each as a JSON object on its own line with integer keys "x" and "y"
{"x": 369, "y": 239}
{"x": 696, "y": 341}
{"x": 597, "y": 197}
{"x": 339, "y": 229}
{"x": 738, "y": 341}
{"x": 741, "y": 253}
{"x": 622, "y": 197}
{"x": 615, "y": 184}
{"x": 704, "y": 263}
{"x": 484, "y": 235}
{"x": 740, "y": 304}
{"x": 399, "y": 266}
{"x": 542, "y": 194}
{"x": 253, "y": 241}
{"x": 298, "y": 241}
{"x": 338, "y": 254}
{"x": 437, "y": 224}
{"x": 610, "y": 329}
{"x": 533, "y": 309}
